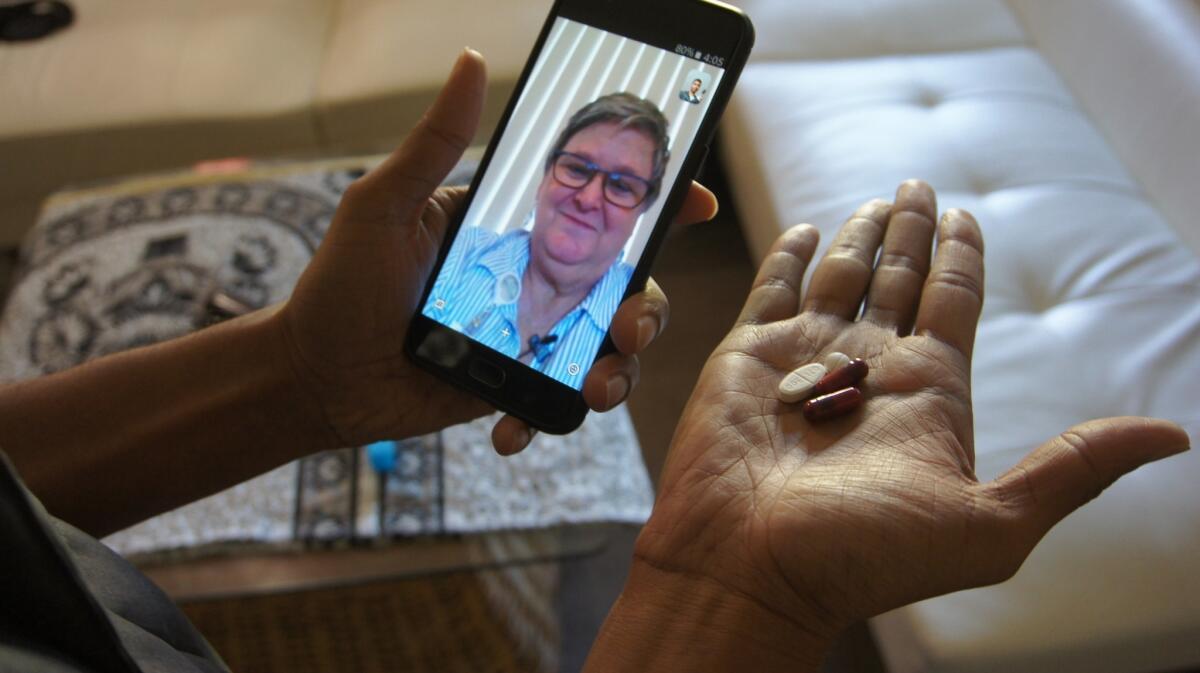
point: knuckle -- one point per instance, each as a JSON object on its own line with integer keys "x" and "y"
{"x": 355, "y": 190}
{"x": 780, "y": 260}
{"x": 955, "y": 279}
{"x": 846, "y": 259}
{"x": 903, "y": 261}
{"x": 452, "y": 139}
{"x": 774, "y": 283}
{"x": 1085, "y": 452}
{"x": 915, "y": 212}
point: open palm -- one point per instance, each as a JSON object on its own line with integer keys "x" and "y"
{"x": 827, "y": 523}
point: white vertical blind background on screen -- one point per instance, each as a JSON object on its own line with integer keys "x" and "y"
{"x": 578, "y": 65}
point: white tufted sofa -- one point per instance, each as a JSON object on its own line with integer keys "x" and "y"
{"x": 1071, "y": 129}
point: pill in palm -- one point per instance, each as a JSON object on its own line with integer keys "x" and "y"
{"x": 843, "y": 377}
{"x": 799, "y": 383}
{"x": 835, "y": 361}
{"x": 832, "y": 405}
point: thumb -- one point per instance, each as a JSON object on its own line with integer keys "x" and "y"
{"x": 397, "y": 189}
{"x": 1063, "y": 474}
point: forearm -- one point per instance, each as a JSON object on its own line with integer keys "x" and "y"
{"x": 114, "y": 441}
{"x": 668, "y": 622}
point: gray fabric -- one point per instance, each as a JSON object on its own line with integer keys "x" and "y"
{"x": 21, "y": 656}
{"x": 71, "y": 604}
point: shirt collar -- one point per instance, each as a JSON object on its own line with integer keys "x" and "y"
{"x": 510, "y": 254}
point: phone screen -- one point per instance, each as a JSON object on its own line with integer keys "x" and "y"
{"x": 574, "y": 187}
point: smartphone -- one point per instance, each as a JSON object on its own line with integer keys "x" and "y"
{"x": 611, "y": 119}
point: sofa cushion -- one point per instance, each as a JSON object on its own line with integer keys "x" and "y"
{"x": 1092, "y": 310}
{"x": 387, "y": 60}
{"x": 141, "y": 61}
{"x": 1157, "y": 67}
{"x": 144, "y": 84}
{"x": 787, "y": 30}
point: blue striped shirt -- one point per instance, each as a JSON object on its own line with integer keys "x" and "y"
{"x": 477, "y": 291}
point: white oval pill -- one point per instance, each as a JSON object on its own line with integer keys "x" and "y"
{"x": 835, "y": 361}
{"x": 797, "y": 385}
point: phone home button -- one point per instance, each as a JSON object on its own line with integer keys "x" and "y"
{"x": 486, "y": 373}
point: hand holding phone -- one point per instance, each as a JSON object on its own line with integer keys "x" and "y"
{"x": 611, "y": 118}
{"x": 344, "y": 325}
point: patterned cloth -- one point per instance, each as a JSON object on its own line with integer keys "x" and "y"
{"x": 131, "y": 264}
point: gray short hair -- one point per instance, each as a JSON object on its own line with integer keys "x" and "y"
{"x": 626, "y": 110}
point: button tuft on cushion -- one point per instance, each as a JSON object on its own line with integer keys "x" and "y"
{"x": 979, "y": 185}
{"x": 929, "y": 99}
{"x": 1040, "y": 300}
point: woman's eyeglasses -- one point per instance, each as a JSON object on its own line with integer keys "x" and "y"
{"x": 625, "y": 191}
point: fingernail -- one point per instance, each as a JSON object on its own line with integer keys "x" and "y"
{"x": 530, "y": 433}
{"x": 647, "y": 328}
{"x": 462, "y": 57}
{"x": 618, "y": 388}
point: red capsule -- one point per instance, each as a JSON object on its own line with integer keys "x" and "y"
{"x": 843, "y": 377}
{"x": 832, "y": 405}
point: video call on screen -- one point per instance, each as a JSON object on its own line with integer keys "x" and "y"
{"x": 576, "y": 183}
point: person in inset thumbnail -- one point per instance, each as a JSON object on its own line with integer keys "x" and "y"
{"x": 692, "y": 93}
{"x": 546, "y": 296}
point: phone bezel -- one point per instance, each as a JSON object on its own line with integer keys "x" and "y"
{"x": 538, "y": 399}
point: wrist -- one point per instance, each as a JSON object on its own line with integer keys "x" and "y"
{"x": 669, "y": 620}
{"x": 303, "y": 414}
